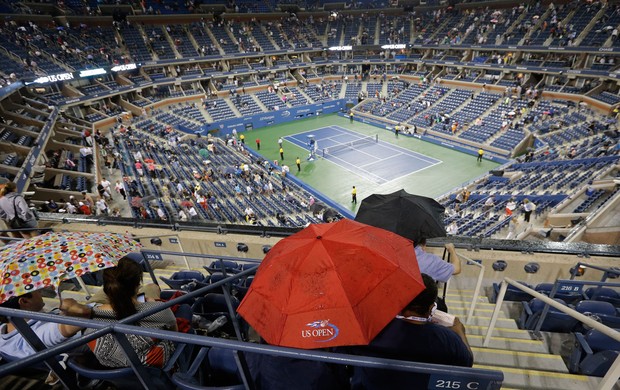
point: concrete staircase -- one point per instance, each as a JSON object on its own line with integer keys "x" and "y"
{"x": 525, "y": 362}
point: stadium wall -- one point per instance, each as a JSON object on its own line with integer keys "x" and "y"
{"x": 224, "y": 127}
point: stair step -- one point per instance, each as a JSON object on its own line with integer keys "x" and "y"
{"x": 514, "y": 333}
{"x": 509, "y": 343}
{"x": 517, "y": 378}
{"x": 483, "y": 302}
{"x": 523, "y": 360}
{"x": 462, "y": 311}
{"x": 486, "y": 319}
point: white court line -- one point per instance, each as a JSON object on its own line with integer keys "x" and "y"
{"x": 380, "y": 160}
{"x": 345, "y": 164}
{"x": 412, "y": 153}
{"x": 411, "y": 173}
{"x": 357, "y": 168}
{"x": 401, "y": 150}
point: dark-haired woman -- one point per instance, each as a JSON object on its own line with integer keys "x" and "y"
{"x": 121, "y": 285}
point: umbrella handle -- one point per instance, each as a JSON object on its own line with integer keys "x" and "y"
{"x": 445, "y": 285}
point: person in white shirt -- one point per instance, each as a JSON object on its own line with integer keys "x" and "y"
{"x": 105, "y": 183}
{"x": 12, "y": 343}
{"x": 528, "y": 207}
{"x": 102, "y": 206}
{"x": 452, "y": 229}
{"x": 193, "y": 214}
{"x": 490, "y": 202}
{"x": 161, "y": 214}
{"x": 70, "y": 208}
{"x": 510, "y": 207}
{"x": 182, "y": 215}
{"x": 120, "y": 188}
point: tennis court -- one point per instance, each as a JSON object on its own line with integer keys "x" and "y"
{"x": 364, "y": 155}
{"x": 335, "y": 181}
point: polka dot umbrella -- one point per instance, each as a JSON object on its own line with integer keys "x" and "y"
{"x": 46, "y": 260}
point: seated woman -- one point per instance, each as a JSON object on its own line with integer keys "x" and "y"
{"x": 121, "y": 285}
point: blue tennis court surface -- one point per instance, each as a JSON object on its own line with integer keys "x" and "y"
{"x": 379, "y": 162}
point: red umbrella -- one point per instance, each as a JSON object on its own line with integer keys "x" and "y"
{"x": 331, "y": 285}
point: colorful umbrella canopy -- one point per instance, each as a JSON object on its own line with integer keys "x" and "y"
{"x": 411, "y": 216}
{"x": 331, "y": 285}
{"x": 45, "y": 260}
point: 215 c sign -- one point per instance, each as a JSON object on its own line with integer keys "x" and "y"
{"x": 457, "y": 382}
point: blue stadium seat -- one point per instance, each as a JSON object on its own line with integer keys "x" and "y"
{"x": 182, "y": 279}
{"x": 604, "y": 294}
{"x": 555, "y": 321}
{"x": 212, "y": 306}
{"x": 86, "y": 365}
{"x": 593, "y": 353}
{"x": 512, "y": 293}
{"x": 229, "y": 266}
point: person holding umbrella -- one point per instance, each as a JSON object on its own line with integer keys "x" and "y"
{"x": 329, "y": 285}
{"x": 434, "y": 266}
{"x": 416, "y": 218}
{"x": 415, "y": 335}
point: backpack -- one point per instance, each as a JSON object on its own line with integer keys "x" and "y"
{"x": 16, "y": 222}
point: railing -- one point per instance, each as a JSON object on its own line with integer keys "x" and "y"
{"x": 607, "y": 271}
{"x": 474, "y": 301}
{"x": 439, "y": 374}
{"x": 575, "y": 286}
{"x": 610, "y": 379}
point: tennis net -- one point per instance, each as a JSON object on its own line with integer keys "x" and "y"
{"x": 370, "y": 139}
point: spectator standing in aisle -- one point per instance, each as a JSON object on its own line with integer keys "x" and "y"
{"x": 15, "y": 211}
{"x": 120, "y": 188}
{"x": 528, "y": 207}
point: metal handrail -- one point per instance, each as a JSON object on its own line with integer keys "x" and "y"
{"x": 596, "y": 267}
{"x": 613, "y": 374}
{"x": 474, "y": 301}
{"x": 554, "y": 290}
{"x": 168, "y": 235}
{"x": 491, "y": 376}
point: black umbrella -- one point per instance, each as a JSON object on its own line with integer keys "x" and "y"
{"x": 329, "y": 214}
{"x": 317, "y": 207}
{"x": 411, "y": 216}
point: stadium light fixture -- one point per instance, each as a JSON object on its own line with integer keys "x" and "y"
{"x": 394, "y": 46}
{"x": 92, "y": 72}
{"x": 340, "y": 48}
{"x": 123, "y": 67}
